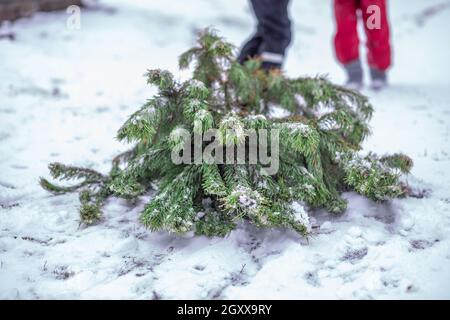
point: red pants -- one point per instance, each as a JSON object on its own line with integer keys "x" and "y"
{"x": 346, "y": 40}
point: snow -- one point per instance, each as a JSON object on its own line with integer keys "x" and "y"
{"x": 64, "y": 93}
{"x": 301, "y": 215}
{"x": 298, "y": 128}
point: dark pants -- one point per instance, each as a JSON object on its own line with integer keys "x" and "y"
{"x": 273, "y": 33}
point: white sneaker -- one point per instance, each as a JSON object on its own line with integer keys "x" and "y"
{"x": 378, "y": 84}
{"x": 354, "y": 75}
{"x": 379, "y": 79}
{"x": 354, "y": 85}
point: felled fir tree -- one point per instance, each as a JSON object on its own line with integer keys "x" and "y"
{"x": 319, "y": 149}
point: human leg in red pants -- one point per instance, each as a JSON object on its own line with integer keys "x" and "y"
{"x": 347, "y": 42}
{"x": 376, "y": 25}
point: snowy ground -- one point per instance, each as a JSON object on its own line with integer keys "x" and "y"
{"x": 64, "y": 93}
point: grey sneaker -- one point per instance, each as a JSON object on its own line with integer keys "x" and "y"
{"x": 379, "y": 79}
{"x": 354, "y": 75}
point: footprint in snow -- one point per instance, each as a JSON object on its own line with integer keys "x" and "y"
{"x": 355, "y": 247}
{"x": 420, "y": 244}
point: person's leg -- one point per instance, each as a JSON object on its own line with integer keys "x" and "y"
{"x": 377, "y": 29}
{"x": 346, "y": 40}
{"x": 275, "y": 26}
{"x": 273, "y": 34}
{"x": 250, "y": 48}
